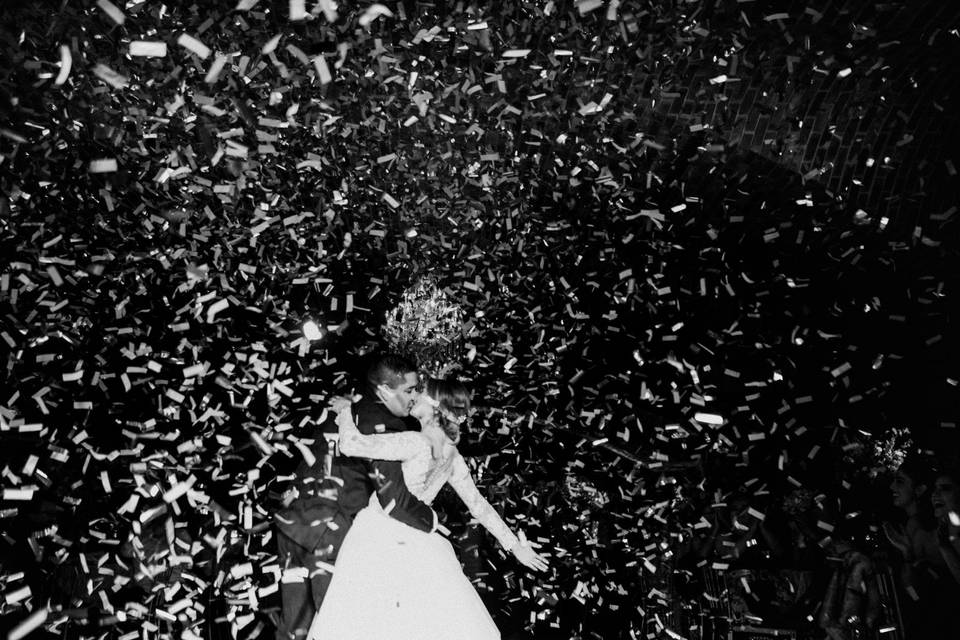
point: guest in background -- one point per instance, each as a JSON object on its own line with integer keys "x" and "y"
{"x": 852, "y": 603}
{"x": 915, "y": 539}
{"x": 946, "y": 509}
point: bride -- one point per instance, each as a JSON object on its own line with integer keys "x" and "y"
{"x": 394, "y": 581}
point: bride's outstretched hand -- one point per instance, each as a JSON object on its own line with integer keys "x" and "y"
{"x": 526, "y": 555}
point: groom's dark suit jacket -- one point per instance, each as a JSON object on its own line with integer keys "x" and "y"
{"x": 362, "y": 476}
{"x": 337, "y": 498}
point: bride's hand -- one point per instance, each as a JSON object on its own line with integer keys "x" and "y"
{"x": 343, "y": 416}
{"x": 526, "y": 555}
{"x": 339, "y": 403}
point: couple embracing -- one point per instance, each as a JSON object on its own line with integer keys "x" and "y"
{"x": 364, "y": 558}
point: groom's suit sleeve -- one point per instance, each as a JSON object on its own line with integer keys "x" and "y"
{"x": 392, "y": 491}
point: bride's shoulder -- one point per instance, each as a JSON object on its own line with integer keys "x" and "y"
{"x": 454, "y": 455}
{"x": 419, "y": 438}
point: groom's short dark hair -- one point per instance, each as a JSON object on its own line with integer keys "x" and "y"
{"x": 389, "y": 369}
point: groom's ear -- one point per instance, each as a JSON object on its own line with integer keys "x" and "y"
{"x": 382, "y": 391}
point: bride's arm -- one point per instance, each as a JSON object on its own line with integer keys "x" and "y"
{"x": 462, "y": 483}
{"x": 480, "y": 509}
{"x": 378, "y": 446}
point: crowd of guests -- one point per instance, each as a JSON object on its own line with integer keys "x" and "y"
{"x": 805, "y": 563}
{"x": 928, "y": 546}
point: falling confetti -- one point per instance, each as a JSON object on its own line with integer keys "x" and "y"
{"x": 688, "y": 298}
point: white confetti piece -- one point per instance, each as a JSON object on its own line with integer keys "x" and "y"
{"x": 586, "y": 6}
{"x": 112, "y": 11}
{"x": 329, "y": 8}
{"x": 32, "y": 622}
{"x": 18, "y": 494}
{"x": 66, "y": 63}
{"x": 708, "y": 418}
{"x": 148, "y": 48}
{"x": 216, "y": 308}
{"x": 103, "y": 165}
{"x": 304, "y": 450}
{"x": 194, "y": 371}
{"x": 110, "y": 76}
{"x": 17, "y": 595}
{"x": 298, "y": 10}
{"x": 390, "y": 200}
{"x": 323, "y": 71}
{"x": 190, "y": 43}
{"x": 271, "y": 45}
{"x": 179, "y": 490}
{"x": 294, "y": 575}
{"x": 216, "y": 68}
{"x": 516, "y": 53}
{"x": 373, "y": 12}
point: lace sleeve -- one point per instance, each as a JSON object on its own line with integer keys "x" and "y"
{"x": 480, "y": 509}
{"x": 381, "y": 446}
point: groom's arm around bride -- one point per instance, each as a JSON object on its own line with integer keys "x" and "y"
{"x": 387, "y": 475}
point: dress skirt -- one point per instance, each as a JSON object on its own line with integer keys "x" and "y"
{"x": 393, "y": 582}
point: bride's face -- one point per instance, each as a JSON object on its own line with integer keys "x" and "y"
{"x": 423, "y": 408}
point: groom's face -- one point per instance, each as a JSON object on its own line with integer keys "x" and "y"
{"x": 401, "y": 398}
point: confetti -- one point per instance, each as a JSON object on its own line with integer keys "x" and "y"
{"x": 33, "y": 621}
{"x": 104, "y": 165}
{"x": 216, "y": 68}
{"x": 193, "y": 45}
{"x": 323, "y": 71}
{"x": 148, "y": 49}
{"x": 667, "y": 331}
{"x": 216, "y": 308}
{"x": 110, "y": 76}
{"x": 112, "y": 11}
{"x": 298, "y": 10}
{"x": 373, "y": 12}
{"x": 66, "y": 64}
{"x": 271, "y": 45}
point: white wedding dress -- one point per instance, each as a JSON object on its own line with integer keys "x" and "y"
{"x": 394, "y": 582}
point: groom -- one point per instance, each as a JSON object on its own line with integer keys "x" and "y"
{"x": 332, "y": 489}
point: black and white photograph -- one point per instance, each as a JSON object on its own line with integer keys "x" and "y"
{"x": 479, "y": 320}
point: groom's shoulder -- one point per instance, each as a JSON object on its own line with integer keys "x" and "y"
{"x": 367, "y": 406}
{"x": 373, "y": 417}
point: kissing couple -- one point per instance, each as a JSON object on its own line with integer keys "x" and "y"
{"x": 378, "y": 566}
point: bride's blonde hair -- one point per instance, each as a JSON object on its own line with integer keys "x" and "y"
{"x": 454, "y": 404}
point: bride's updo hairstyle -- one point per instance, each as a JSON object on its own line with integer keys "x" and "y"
{"x": 454, "y": 408}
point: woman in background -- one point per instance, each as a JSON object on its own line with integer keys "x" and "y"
{"x": 923, "y": 565}
{"x": 946, "y": 509}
